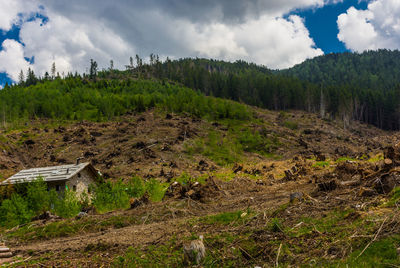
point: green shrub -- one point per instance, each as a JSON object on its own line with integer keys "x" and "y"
{"x": 156, "y": 190}
{"x": 222, "y": 150}
{"x": 15, "y": 211}
{"x": 394, "y": 197}
{"x": 184, "y": 179}
{"x": 110, "y": 196}
{"x": 66, "y": 206}
{"x": 136, "y": 187}
{"x": 37, "y": 196}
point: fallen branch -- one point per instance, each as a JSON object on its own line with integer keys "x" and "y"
{"x": 277, "y": 255}
{"x": 148, "y": 147}
{"x": 375, "y": 237}
{"x": 21, "y": 261}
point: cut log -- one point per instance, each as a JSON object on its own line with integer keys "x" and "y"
{"x": 4, "y": 249}
{"x": 6, "y": 255}
{"x": 388, "y": 162}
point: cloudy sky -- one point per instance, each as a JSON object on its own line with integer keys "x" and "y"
{"x": 274, "y": 33}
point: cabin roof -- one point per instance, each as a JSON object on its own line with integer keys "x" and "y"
{"x": 56, "y": 173}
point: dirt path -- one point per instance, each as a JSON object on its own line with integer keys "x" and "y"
{"x": 269, "y": 197}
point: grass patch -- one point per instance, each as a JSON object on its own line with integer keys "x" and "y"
{"x": 382, "y": 253}
{"x": 291, "y": 125}
{"x": 226, "y": 218}
{"x": 394, "y": 198}
{"x": 344, "y": 159}
{"x": 69, "y": 227}
{"x": 156, "y": 190}
{"x": 225, "y": 148}
{"x": 321, "y": 164}
{"x": 169, "y": 254}
{"x": 376, "y": 158}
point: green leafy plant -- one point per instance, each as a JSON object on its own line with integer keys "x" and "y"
{"x": 110, "y": 196}
{"x": 15, "y": 211}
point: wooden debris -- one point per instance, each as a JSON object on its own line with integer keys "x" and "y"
{"x": 5, "y": 252}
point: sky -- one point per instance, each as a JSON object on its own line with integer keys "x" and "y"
{"x": 275, "y": 33}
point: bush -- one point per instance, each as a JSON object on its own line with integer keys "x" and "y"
{"x": 156, "y": 190}
{"x": 109, "y": 196}
{"x": 15, "y": 211}
{"x": 37, "y": 196}
{"x": 136, "y": 187}
{"x": 67, "y": 205}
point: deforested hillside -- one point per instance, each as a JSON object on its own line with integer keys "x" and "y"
{"x": 178, "y": 166}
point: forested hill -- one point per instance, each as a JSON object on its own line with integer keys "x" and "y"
{"x": 336, "y": 86}
{"x": 330, "y": 94}
{"x": 371, "y": 69}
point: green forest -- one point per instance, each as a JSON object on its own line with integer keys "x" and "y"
{"x": 348, "y": 86}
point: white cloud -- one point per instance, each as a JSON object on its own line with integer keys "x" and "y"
{"x": 70, "y": 44}
{"x": 11, "y": 9}
{"x": 376, "y": 27}
{"x": 12, "y": 59}
{"x": 77, "y": 31}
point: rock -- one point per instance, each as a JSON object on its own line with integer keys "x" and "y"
{"x": 298, "y": 196}
{"x": 194, "y": 252}
{"x": 81, "y": 215}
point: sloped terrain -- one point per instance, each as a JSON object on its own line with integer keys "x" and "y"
{"x": 315, "y": 194}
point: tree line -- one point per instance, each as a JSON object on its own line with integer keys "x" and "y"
{"x": 332, "y": 97}
{"x": 347, "y": 86}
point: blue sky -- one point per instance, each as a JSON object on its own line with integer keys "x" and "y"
{"x": 322, "y": 24}
{"x": 11, "y": 34}
{"x": 276, "y": 34}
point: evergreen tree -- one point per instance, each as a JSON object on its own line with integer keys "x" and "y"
{"x": 93, "y": 69}
{"x": 21, "y": 78}
{"x": 53, "y": 70}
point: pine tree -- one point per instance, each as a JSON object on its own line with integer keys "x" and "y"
{"x": 53, "y": 70}
{"x": 93, "y": 69}
{"x": 21, "y": 78}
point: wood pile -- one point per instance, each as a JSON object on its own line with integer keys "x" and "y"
{"x": 5, "y": 252}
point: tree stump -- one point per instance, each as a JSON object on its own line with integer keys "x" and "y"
{"x": 194, "y": 252}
